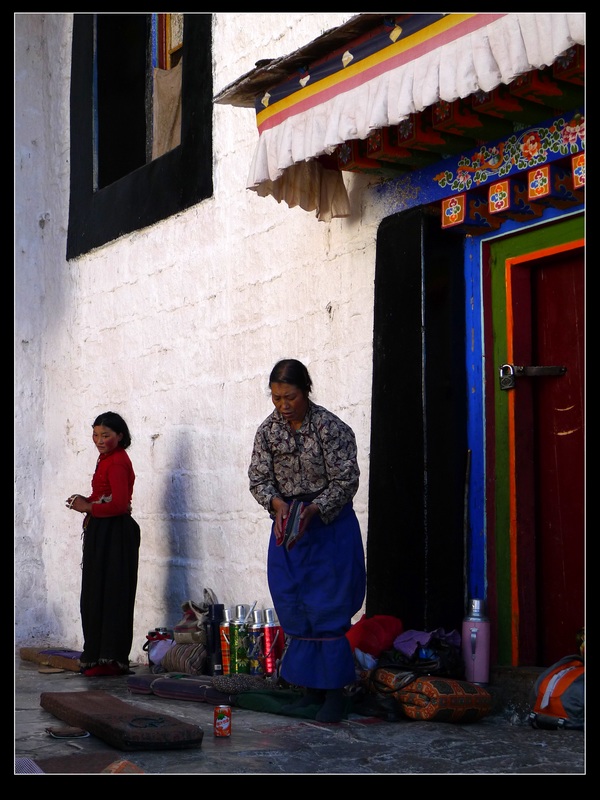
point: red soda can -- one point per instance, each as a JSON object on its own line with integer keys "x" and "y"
{"x": 222, "y": 720}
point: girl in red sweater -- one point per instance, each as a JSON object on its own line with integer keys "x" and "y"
{"x": 111, "y": 541}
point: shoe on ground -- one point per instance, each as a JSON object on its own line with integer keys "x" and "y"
{"x": 311, "y": 698}
{"x": 332, "y": 709}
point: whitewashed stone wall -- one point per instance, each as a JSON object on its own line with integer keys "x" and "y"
{"x": 176, "y": 327}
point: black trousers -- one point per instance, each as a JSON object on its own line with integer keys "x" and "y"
{"x": 108, "y": 588}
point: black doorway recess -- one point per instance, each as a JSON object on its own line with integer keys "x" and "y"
{"x": 418, "y": 462}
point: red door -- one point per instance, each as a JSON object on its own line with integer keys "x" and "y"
{"x": 546, "y": 300}
{"x": 558, "y": 326}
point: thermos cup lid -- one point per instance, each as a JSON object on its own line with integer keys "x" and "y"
{"x": 240, "y": 612}
{"x": 257, "y": 616}
{"x": 476, "y": 608}
{"x": 270, "y": 617}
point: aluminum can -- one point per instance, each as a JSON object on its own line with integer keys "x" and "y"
{"x": 222, "y": 721}
{"x": 239, "y": 663}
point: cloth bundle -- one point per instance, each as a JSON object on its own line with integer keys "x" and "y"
{"x": 426, "y": 653}
{"x": 373, "y": 635}
{"x": 191, "y": 627}
{"x": 187, "y": 658}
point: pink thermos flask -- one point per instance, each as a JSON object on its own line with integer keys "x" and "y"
{"x": 476, "y": 643}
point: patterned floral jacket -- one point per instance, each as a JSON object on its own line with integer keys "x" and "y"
{"x": 321, "y": 456}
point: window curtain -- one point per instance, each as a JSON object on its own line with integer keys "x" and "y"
{"x": 166, "y": 122}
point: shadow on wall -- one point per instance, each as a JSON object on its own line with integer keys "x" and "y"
{"x": 182, "y": 531}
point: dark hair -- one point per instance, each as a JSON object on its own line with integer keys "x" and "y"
{"x": 114, "y": 421}
{"x": 291, "y": 371}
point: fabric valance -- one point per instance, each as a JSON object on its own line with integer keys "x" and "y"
{"x": 408, "y": 65}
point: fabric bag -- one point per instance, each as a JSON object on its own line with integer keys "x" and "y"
{"x": 191, "y": 627}
{"x": 558, "y": 696}
{"x": 444, "y": 700}
{"x": 189, "y": 659}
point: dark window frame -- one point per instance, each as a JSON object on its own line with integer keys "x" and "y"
{"x": 161, "y": 188}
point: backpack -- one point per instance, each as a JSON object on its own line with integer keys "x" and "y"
{"x": 558, "y": 696}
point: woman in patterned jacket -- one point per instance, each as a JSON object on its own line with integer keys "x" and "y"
{"x": 316, "y": 566}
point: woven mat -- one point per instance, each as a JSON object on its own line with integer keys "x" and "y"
{"x": 84, "y": 764}
{"x": 123, "y": 725}
{"x": 59, "y": 657}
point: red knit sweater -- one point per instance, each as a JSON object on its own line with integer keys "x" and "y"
{"x": 113, "y": 479}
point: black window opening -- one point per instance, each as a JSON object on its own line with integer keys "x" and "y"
{"x": 120, "y": 82}
{"x": 116, "y": 185}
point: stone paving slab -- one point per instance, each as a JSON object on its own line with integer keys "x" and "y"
{"x": 271, "y": 744}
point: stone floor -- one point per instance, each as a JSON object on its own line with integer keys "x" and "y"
{"x": 270, "y": 744}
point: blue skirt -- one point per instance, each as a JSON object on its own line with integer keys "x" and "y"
{"x": 316, "y": 589}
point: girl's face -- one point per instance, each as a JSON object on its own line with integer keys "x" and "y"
{"x": 290, "y": 401}
{"x": 106, "y": 440}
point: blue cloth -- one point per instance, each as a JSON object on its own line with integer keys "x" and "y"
{"x": 317, "y": 588}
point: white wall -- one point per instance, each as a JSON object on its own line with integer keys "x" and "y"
{"x": 176, "y": 327}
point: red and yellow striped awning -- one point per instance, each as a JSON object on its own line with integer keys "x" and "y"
{"x": 407, "y": 64}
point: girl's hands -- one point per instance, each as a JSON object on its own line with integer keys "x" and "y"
{"x": 78, "y": 503}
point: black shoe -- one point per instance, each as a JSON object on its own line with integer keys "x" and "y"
{"x": 332, "y": 709}
{"x": 313, "y": 697}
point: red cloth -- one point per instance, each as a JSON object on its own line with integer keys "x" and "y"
{"x": 375, "y": 634}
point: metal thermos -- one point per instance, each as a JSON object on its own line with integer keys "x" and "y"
{"x": 273, "y": 642}
{"x": 213, "y": 638}
{"x": 476, "y": 643}
{"x": 239, "y": 662}
{"x": 224, "y": 637}
{"x": 255, "y": 643}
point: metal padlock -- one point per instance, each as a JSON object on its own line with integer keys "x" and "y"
{"x": 507, "y": 377}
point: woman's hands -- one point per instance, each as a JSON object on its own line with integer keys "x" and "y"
{"x": 282, "y": 511}
{"x": 307, "y": 514}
